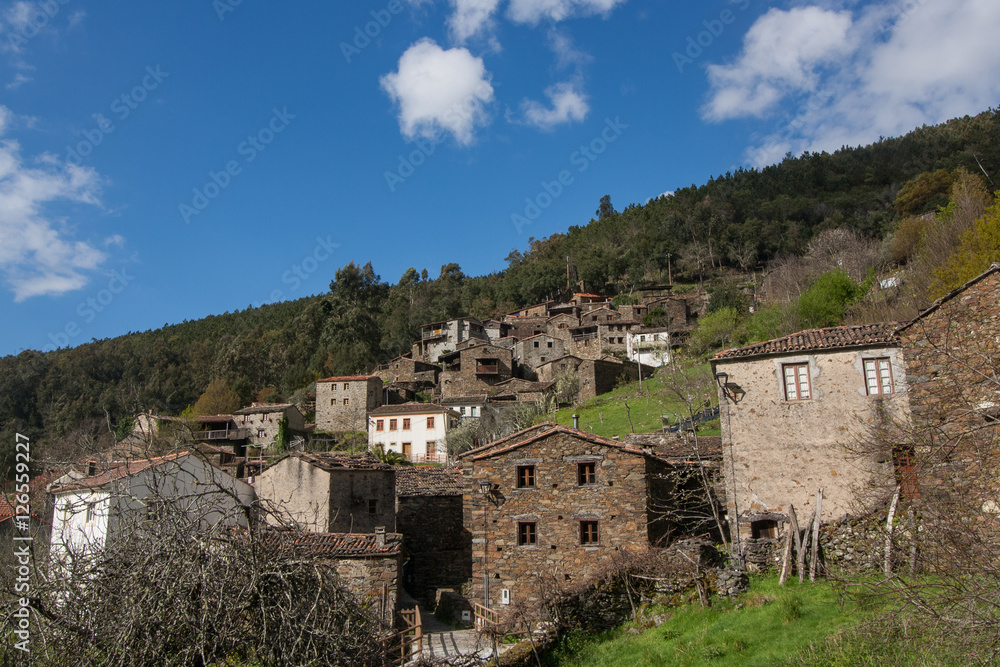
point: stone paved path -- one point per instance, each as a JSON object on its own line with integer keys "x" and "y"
{"x": 443, "y": 643}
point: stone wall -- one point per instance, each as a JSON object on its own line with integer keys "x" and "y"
{"x": 535, "y": 351}
{"x": 351, "y": 496}
{"x": 438, "y": 546}
{"x": 782, "y": 451}
{"x": 465, "y": 380}
{"x": 556, "y": 504}
{"x": 361, "y": 394}
{"x": 373, "y": 579}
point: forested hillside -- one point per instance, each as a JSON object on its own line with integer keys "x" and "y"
{"x": 736, "y": 221}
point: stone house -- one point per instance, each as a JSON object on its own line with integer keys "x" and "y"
{"x": 368, "y": 564}
{"x": 791, "y": 409}
{"x": 584, "y": 342}
{"x": 418, "y": 431}
{"x": 343, "y": 403}
{"x": 550, "y": 370}
{"x": 556, "y": 503}
{"x": 558, "y": 326}
{"x": 429, "y": 515}
{"x": 634, "y": 312}
{"x": 262, "y": 420}
{"x": 601, "y": 315}
{"x": 495, "y": 330}
{"x": 405, "y": 370}
{"x": 952, "y": 352}
{"x": 597, "y": 376}
{"x": 474, "y": 370}
{"x": 537, "y": 310}
{"x": 519, "y": 390}
{"x": 612, "y": 335}
{"x": 438, "y": 338}
{"x": 648, "y": 345}
{"x": 532, "y": 352}
{"x": 329, "y": 493}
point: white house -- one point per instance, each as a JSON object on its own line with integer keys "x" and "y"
{"x": 93, "y": 509}
{"x": 468, "y": 407}
{"x": 648, "y": 345}
{"x": 416, "y": 430}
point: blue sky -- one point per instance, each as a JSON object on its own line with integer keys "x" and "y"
{"x": 167, "y": 161}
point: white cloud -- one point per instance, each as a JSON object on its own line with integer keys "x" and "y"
{"x": 533, "y": 11}
{"x": 567, "y": 104}
{"x": 566, "y": 52}
{"x": 38, "y": 255}
{"x": 439, "y": 90}
{"x": 781, "y": 53}
{"x": 470, "y": 17}
{"x": 898, "y": 66}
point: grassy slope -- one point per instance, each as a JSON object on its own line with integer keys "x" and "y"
{"x": 771, "y": 625}
{"x": 606, "y": 415}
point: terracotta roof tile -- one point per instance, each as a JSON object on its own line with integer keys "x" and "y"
{"x": 349, "y": 378}
{"x": 263, "y": 408}
{"x": 831, "y": 338}
{"x": 339, "y": 545}
{"x": 427, "y": 481}
{"x": 542, "y": 431}
{"x": 330, "y": 461}
{"x": 411, "y": 408}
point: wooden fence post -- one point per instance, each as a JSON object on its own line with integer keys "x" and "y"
{"x": 814, "y": 561}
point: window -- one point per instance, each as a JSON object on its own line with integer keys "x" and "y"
{"x": 372, "y": 506}
{"x": 525, "y": 477}
{"x": 797, "y": 382}
{"x": 261, "y": 433}
{"x": 536, "y": 343}
{"x": 346, "y": 385}
{"x": 549, "y": 344}
{"x": 586, "y": 473}
{"x": 430, "y": 422}
{"x": 878, "y": 376}
{"x": 333, "y": 386}
{"x": 379, "y": 424}
{"x": 589, "y": 534}
{"x": 406, "y": 424}
{"x": 333, "y": 401}
{"x": 346, "y": 401}
{"x": 472, "y": 411}
{"x": 392, "y": 424}
{"x": 765, "y": 528}
{"x": 526, "y": 533}
{"x": 90, "y": 513}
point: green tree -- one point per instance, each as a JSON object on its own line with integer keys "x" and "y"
{"x": 825, "y": 303}
{"x": 978, "y": 248}
{"x": 714, "y": 331}
{"x": 218, "y": 399}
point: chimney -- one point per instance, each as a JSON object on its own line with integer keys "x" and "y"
{"x": 380, "y": 535}
{"x": 576, "y": 421}
{"x": 91, "y": 468}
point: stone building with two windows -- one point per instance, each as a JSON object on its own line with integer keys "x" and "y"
{"x": 792, "y": 412}
{"x": 343, "y": 403}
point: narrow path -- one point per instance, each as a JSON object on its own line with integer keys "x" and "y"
{"x": 443, "y": 643}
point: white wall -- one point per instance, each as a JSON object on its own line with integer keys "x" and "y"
{"x": 425, "y": 443}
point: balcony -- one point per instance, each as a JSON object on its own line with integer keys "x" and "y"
{"x": 223, "y": 434}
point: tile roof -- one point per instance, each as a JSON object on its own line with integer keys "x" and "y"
{"x": 428, "y": 481}
{"x": 831, "y": 338}
{"x": 213, "y": 419}
{"x": 338, "y": 545}
{"x": 676, "y": 448}
{"x": 263, "y": 408}
{"x": 412, "y": 408}
{"x": 330, "y": 461}
{"x": 349, "y": 378}
{"x": 543, "y": 431}
{"x": 118, "y": 470}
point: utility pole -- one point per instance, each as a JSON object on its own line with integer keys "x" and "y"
{"x": 670, "y": 276}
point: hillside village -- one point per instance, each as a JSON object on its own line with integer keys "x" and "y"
{"x": 807, "y": 421}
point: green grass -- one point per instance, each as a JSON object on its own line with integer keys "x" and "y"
{"x": 770, "y": 625}
{"x": 606, "y": 415}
